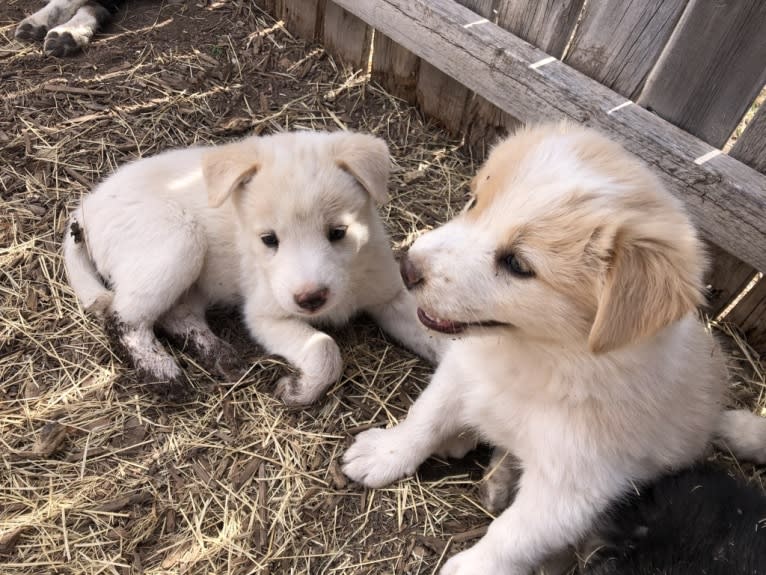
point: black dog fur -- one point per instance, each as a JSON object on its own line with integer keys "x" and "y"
{"x": 700, "y": 521}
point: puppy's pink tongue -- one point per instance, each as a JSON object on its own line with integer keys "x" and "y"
{"x": 437, "y": 324}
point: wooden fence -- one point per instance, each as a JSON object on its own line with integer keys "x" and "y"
{"x": 670, "y": 79}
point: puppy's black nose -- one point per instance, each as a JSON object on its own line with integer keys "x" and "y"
{"x": 410, "y": 274}
{"x": 312, "y": 300}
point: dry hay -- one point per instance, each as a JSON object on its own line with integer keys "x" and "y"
{"x": 97, "y": 476}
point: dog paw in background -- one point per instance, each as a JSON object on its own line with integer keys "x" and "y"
{"x": 65, "y": 26}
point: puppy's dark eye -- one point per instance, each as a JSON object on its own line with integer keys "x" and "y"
{"x": 516, "y": 266}
{"x": 270, "y": 240}
{"x": 336, "y": 234}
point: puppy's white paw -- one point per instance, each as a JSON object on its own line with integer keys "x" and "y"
{"x": 296, "y": 392}
{"x": 474, "y": 562}
{"x": 379, "y": 457}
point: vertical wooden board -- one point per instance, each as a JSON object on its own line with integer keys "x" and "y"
{"x": 346, "y": 36}
{"x": 484, "y": 124}
{"x": 711, "y": 68}
{"x": 269, "y": 6}
{"x": 437, "y": 93}
{"x": 727, "y": 278}
{"x": 750, "y": 316}
{"x": 301, "y": 17}
{"x": 708, "y": 74}
{"x": 545, "y": 23}
{"x": 394, "y": 67}
{"x": 440, "y": 96}
{"x": 617, "y": 43}
{"x": 750, "y": 147}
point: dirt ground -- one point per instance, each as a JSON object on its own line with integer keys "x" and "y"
{"x": 97, "y": 476}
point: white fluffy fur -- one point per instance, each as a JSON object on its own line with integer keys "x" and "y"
{"x": 600, "y": 375}
{"x": 177, "y": 232}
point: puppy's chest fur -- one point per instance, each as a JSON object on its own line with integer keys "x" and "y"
{"x": 517, "y": 403}
{"x": 556, "y": 409}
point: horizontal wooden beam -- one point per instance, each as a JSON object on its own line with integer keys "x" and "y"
{"x": 726, "y": 198}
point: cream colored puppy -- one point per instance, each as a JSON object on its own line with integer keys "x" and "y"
{"x": 285, "y": 224}
{"x": 570, "y": 283}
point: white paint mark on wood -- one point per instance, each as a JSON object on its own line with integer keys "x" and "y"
{"x": 543, "y": 62}
{"x": 620, "y": 107}
{"x": 477, "y": 23}
{"x": 707, "y": 157}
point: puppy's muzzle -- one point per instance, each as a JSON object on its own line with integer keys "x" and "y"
{"x": 312, "y": 300}
{"x": 411, "y": 275}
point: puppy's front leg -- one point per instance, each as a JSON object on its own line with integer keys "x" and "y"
{"x": 545, "y": 517}
{"x": 313, "y": 352}
{"x": 381, "y": 456}
{"x": 399, "y": 319}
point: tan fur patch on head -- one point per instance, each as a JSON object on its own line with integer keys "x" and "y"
{"x": 496, "y": 173}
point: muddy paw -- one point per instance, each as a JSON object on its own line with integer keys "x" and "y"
{"x": 60, "y": 45}
{"x": 30, "y": 32}
{"x": 175, "y": 390}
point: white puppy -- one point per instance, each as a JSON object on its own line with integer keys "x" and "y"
{"x": 570, "y": 283}
{"x": 285, "y": 223}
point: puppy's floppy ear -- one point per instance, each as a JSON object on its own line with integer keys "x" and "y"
{"x": 366, "y": 158}
{"x": 225, "y": 168}
{"x": 650, "y": 284}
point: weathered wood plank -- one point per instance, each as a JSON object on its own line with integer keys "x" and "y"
{"x": 346, "y": 36}
{"x": 394, "y": 67}
{"x": 726, "y": 198}
{"x": 545, "y": 23}
{"x": 749, "y": 315}
{"x": 440, "y": 96}
{"x": 484, "y": 124}
{"x": 617, "y": 43}
{"x": 301, "y": 17}
{"x": 707, "y": 35}
{"x": 750, "y": 147}
{"x": 727, "y": 277}
{"x": 711, "y": 69}
{"x": 750, "y": 312}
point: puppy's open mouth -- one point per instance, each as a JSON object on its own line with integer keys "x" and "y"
{"x": 447, "y": 326}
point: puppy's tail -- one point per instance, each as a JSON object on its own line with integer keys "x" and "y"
{"x": 82, "y": 273}
{"x": 743, "y": 433}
